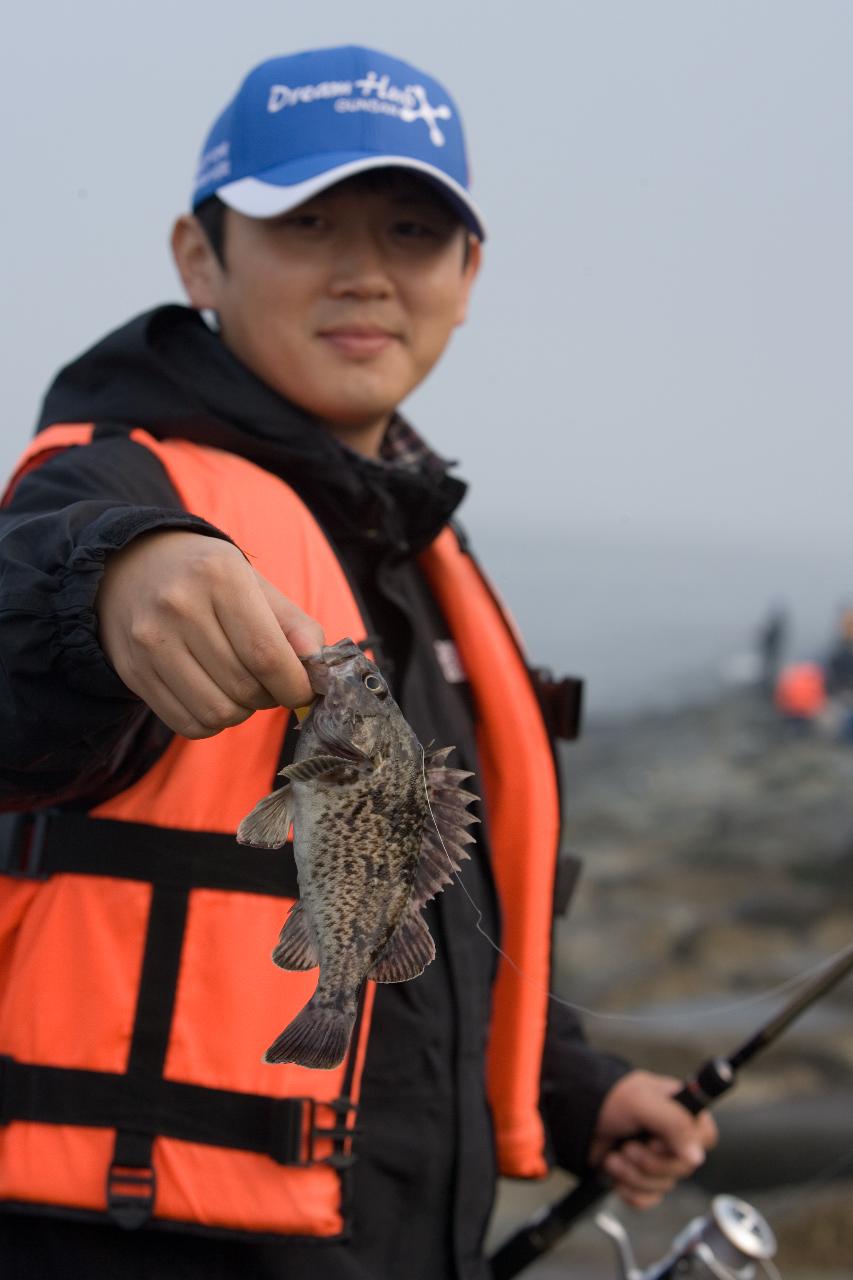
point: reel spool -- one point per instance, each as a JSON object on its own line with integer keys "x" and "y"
{"x": 735, "y": 1235}
{"x": 724, "y": 1245}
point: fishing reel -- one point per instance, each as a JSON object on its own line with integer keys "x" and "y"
{"x": 732, "y": 1242}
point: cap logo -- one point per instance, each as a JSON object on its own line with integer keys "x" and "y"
{"x": 370, "y": 93}
{"x": 214, "y": 165}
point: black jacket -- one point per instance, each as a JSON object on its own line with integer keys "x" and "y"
{"x": 423, "y": 1182}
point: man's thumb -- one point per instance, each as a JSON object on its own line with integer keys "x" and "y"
{"x": 676, "y": 1127}
{"x": 303, "y": 633}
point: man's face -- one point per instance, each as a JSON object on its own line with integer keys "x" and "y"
{"x": 344, "y": 304}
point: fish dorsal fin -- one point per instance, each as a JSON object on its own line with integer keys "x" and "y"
{"x": 452, "y": 814}
{"x": 266, "y": 827}
{"x": 329, "y": 768}
{"x": 297, "y": 942}
{"x": 407, "y": 953}
{"x": 445, "y": 836}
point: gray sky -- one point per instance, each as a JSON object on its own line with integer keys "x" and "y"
{"x": 659, "y": 345}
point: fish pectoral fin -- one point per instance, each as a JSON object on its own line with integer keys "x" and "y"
{"x": 325, "y": 767}
{"x": 297, "y": 943}
{"x": 407, "y": 953}
{"x": 266, "y": 827}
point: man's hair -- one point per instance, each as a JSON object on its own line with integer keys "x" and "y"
{"x": 211, "y": 212}
{"x": 211, "y": 215}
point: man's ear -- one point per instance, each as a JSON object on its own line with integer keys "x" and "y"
{"x": 198, "y": 266}
{"x": 470, "y": 270}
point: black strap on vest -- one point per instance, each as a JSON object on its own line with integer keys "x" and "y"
{"x": 141, "y": 1104}
{"x": 131, "y": 1184}
{"x": 43, "y": 844}
{"x": 270, "y": 1126}
{"x": 286, "y": 1129}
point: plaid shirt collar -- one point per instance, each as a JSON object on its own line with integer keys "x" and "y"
{"x": 402, "y": 447}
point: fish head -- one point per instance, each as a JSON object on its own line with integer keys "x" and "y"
{"x": 354, "y": 714}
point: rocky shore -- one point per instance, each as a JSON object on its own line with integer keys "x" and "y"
{"x": 717, "y": 847}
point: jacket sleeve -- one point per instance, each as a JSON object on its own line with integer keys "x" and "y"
{"x": 71, "y": 729}
{"x": 575, "y": 1079}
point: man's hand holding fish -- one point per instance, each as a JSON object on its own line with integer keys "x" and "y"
{"x": 199, "y": 634}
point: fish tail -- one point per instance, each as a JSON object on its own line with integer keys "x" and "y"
{"x": 317, "y": 1037}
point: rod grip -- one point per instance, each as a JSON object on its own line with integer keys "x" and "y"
{"x": 714, "y": 1078}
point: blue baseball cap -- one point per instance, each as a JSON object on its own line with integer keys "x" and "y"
{"x": 299, "y": 124}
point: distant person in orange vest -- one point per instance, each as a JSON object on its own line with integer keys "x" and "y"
{"x": 201, "y": 504}
{"x": 801, "y": 693}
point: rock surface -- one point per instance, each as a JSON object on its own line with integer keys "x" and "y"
{"x": 718, "y": 850}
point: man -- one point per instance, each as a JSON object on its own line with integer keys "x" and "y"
{"x": 200, "y": 506}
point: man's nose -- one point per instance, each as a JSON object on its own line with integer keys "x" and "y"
{"x": 360, "y": 268}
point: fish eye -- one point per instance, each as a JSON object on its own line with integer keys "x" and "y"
{"x": 373, "y": 683}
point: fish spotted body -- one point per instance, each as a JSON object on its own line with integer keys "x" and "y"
{"x": 372, "y": 845}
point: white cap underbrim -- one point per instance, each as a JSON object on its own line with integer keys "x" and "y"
{"x": 258, "y": 199}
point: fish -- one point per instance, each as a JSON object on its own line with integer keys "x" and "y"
{"x": 380, "y": 826}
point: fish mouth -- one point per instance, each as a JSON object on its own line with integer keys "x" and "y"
{"x": 318, "y": 664}
{"x": 318, "y": 672}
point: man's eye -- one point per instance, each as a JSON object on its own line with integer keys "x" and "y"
{"x": 411, "y": 229}
{"x": 303, "y": 221}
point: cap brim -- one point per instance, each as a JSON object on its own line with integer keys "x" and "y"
{"x": 276, "y": 192}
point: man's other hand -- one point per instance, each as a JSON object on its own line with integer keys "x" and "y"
{"x": 199, "y": 635}
{"x": 643, "y": 1172}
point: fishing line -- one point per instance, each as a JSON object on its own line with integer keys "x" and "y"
{"x": 795, "y": 1195}
{"x": 602, "y": 1015}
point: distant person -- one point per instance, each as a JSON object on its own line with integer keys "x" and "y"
{"x": 839, "y": 660}
{"x": 800, "y": 694}
{"x": 200, "y": 505}
{"x": 839, "y": 677}
{"x": 772, "y": 641}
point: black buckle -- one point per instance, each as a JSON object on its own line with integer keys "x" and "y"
{"x": 561, "y": 703}
{"x": 569, "y": 868}
{"x": 339, "y": 1133}
{"x": 130, "y": 1194}
{"x": 23, "y": 839}
{"x": 286, "y": 1128}
{"x": 292, "y": 1127}
{"x": 6, "y": 1069}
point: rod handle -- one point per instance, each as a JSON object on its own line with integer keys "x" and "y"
{"x": 714, "y": 1078}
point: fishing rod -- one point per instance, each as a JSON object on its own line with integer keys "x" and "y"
{"x": 714, "y": 1078}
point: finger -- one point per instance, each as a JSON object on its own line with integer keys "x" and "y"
{"x": 655, "y": 1161}
{"x": 629, "y": 1180}
{"x": 170, "y": 709}
{"x": 195, "y": 705}
{"x": 303, "y": 633}
{"x": 677, "y": 1131}
{"x": 709, "y": 1134}
{"x": 686, "y": 1135}
{"x": 639, "y": 1199}
{"x": 214, "y": 653}
{"x": 255, "y": 632}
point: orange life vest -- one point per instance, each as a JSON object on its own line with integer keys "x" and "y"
{"x": 120, "y": 1101}
{"x": 801, "y": 690}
